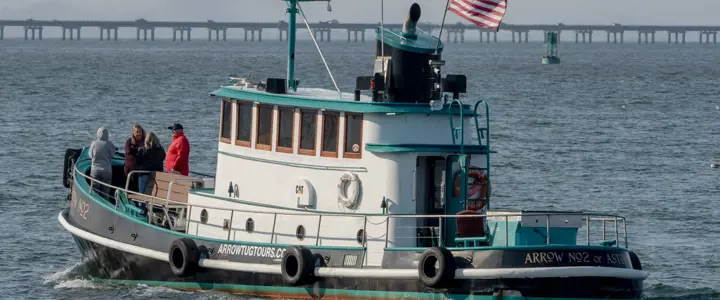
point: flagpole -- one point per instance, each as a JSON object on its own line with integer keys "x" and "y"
{"x": 441, "y": 27}
{"x": 382, "y": 35}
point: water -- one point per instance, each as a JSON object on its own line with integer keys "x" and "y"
{"x": 626, "y": 129}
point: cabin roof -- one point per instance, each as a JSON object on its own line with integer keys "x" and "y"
{"x": 330, "y": 100}
{"x": 422, "y": 43}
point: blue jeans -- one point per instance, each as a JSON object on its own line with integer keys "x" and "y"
{"x": 142, "y": 182}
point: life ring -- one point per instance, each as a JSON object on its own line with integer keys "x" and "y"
{"x": 441, "y": 276}
{"x": 478, "y": 190}
{"x": 184, "y": 257}
{"x": 298, "y": 266}
{"x": 349, "y": 190}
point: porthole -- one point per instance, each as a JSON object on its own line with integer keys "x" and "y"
{"x": 203, "y": 216}
{"x": 250, "y": 225}
{"x": 361, "y": 236}
{"x": 300, "y": 232}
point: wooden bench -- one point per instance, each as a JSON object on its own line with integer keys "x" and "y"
{"x": 169, "y": 214}
{"x": 159, "y": 184}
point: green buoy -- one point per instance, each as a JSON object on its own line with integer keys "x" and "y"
{"x": 551, "y": 40}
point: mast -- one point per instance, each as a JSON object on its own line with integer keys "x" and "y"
{"x": 292, "y": 10}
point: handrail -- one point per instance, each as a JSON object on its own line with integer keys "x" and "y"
{"x": 487, "y": 143}
{"x": 462, "y": 125}
{"x": 129, "y": 175}
{"x": 588, "y": 216}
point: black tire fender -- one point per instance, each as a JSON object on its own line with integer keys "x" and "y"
{"x": 298, "y": 266}
{"x": 184, "y": 257}
{"x": 635, "y": 261}
{"x": 441, "y": 275}
{"x": 71, "y": 156}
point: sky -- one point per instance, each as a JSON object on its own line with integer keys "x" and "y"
{"x": 650, "y": 12}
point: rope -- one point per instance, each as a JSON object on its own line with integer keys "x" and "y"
{"x": 302, "y": 14}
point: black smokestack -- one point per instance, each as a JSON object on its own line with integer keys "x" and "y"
{"x": 411, "y": 22}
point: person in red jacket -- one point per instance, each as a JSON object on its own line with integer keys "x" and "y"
{"x": 178, "y": 154}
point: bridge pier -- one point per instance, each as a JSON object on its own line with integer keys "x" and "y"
{"x": 322, "y": 32}
{"x": 108, "y": 30}
{"x": 520, "y": 36}
{"x": 145, "y": 34}
{"x": 2, "y": 33}
{"x": 615, "y": 36}
{"x": 182, "y": 30}
{"x": 70, "y": 30}
{"x": 355, "y": 31}
{"x": 455, "y": 34}
{"x": 280, "y": 34}
{"x": 252, "y": 34}
{"x": 487, "y": 35}
{"x": 677, "y": 39}
{"x": 32, "y": 29}
{"x": 217, "y": 34}
{"x": 645, "y": 33}
{"x": 586, "y": 36}
{"x": 707, "y": 35}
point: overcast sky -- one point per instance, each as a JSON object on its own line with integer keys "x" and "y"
{"x": 693, "y": 12}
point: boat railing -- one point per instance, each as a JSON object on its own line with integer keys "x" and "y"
{"x": 377, "y": 228}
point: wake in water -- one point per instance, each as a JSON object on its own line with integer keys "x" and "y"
{"x": 77, "y": 278}
{"x": 666, "y": 292}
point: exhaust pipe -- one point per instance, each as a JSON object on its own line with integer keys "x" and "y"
{"x": 410, "y": 25}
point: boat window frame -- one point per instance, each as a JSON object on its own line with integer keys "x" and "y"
{"x": 238, "y": 141}
{"x": 222, "y": 120}
{"x": 258, "y": 145}
{"x": 279, "y": 148}
{"x": 346, "y": 153}
{"x": 324, "y": 153}
{"x": 313, "y": 151}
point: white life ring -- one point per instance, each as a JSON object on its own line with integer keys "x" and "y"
{"x": 349, "y": 190}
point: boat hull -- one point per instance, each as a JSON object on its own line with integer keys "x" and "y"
{"x": 108, "y": 264}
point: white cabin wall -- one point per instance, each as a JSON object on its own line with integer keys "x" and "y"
{"x": 415, "y": 129}
{"x": 338, "y": 231}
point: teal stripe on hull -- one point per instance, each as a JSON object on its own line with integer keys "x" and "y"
{"x": 302, "y": 292}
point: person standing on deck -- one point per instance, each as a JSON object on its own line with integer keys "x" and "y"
{"x": 178, "y": 155}
{"x": 101, "y": 152}
{"x": 132, "y": 144}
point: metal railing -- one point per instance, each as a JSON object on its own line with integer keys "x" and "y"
{"x": 380, "y": 224}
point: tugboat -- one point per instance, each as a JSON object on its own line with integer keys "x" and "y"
{"x": 318, "y": 194}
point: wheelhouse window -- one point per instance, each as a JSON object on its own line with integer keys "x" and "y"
{"x": 330, "y": 134}
{"x": 308, "y": 129}
{"x": 225, "y": 120}
{"x": 353, "y": 136}
{"x": 286, "y": 120}
{"x": 244, "y": 124}
{"x": 264, "y": 127}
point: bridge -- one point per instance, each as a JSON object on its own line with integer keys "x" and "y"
{"x": 145, "y": 30}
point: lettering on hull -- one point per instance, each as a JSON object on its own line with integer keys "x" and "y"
{"x": 575, "y": 258}
{"x": 253, "y": 251}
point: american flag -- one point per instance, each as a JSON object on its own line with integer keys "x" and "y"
{"x": 484, "y": 13}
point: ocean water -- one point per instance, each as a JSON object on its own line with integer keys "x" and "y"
{"x": 627, "y": 129}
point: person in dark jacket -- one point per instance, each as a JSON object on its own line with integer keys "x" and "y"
{"x": 132, "y": 144}
{"x": 149, "y": 158}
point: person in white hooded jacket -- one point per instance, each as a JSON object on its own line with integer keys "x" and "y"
{"x": 101, "y": 152}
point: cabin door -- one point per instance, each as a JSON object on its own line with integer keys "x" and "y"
{"x": 430, "y": 197}
{"x": 455, "y": 193}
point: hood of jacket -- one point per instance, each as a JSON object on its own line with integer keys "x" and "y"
{"x": 102, "y": 134}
